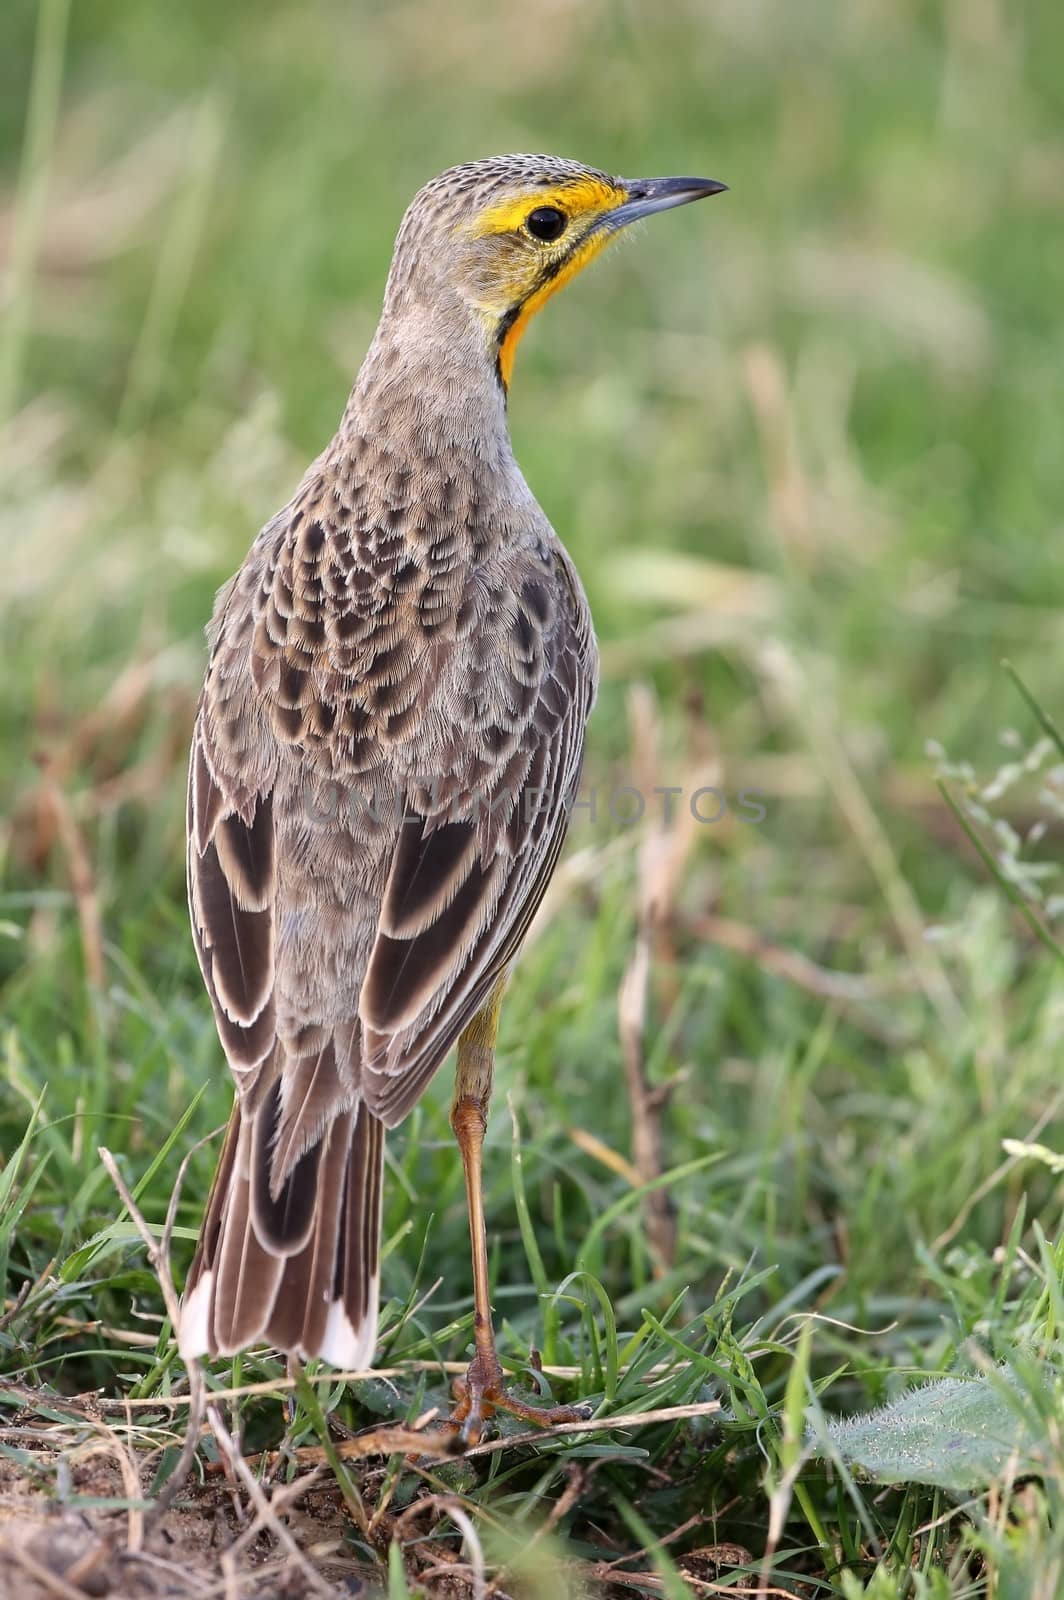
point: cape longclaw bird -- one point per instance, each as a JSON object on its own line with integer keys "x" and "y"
{"x": 385, "y": 754}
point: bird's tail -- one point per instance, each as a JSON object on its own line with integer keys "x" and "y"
{"x": 300, "y": 1269}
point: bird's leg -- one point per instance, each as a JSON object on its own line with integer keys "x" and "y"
{"x": 294, "y": 1369}
{"x": 483, "y": 1390}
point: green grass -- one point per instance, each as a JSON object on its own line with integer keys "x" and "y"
{"x": 804, "y": 446}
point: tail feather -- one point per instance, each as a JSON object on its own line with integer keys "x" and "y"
{"x": 299, "y": 1313}
{"x": 356, "y": 1270}
{"x": 282, "y": 1211}
{"x": 248, "y": 1274}
{"x": 318, "y": 1298}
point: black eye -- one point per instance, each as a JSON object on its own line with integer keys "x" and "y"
{"x": 546, "y": 222}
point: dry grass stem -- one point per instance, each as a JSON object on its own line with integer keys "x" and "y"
{"x": 159, "y": 1257}
{"x": 265, "y": 1515}
{"x": 82, "y": 878}
{"x": 664, "y": 848}
{"x": 50, "y": 1581}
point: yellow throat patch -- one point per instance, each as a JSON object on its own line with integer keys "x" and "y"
{"x": 574, "y": 263}
{"x": 583, "y": 201}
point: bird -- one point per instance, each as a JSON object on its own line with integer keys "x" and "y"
{"x": 385, "y": 757}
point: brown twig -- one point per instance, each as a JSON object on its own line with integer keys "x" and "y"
{"x": 39, "y": 1572}
{"x": 795, "y": 967}
{"x": 475, "y": 1565}
{"x": 265, "y": 1513}
{"x": 610, "y": 1424}
{"x": 75, "y": 1325}
{"x": 87, "y": 1565}
{"x": 389, "y": 1441}
{"x": 229, "y": 1585}
{"x": 82, "y": 877}
{"x": 600, "y": 1572}
{"x": 270, "y": 1386}
{"x": 595, "y": 1147}
{"x": 111, "y": 1445}
{"x": 646, "y": 1122}
{"x": 659, "y": 1544}
{"x": 789, "y": 492}
{"x": 386, "y": 1440}
{"x": 175, "y": 1572}
{"x": 159, "y": 1257}
{"x": 663, "y": 851}
{"x": 13, "y": 1307}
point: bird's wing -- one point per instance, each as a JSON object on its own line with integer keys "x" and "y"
{"x": 231, "y": 882}
{"x": 289, "y": 1247}
{"x": 479, "y": 838}
{"x": 479, "y": 843}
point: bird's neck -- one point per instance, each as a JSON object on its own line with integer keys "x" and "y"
{"x": 429, "y": 385}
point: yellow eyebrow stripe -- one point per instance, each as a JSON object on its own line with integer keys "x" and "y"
{"x": 583, "y": 197}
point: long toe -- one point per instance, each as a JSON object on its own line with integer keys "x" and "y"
{"x": 540, "y": 1416}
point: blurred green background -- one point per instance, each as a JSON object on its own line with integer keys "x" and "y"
{"x": 804, "y": 445}
{"x": 846, "y": 373}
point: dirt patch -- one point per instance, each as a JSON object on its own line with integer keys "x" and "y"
{"x": 68, "y": 1529}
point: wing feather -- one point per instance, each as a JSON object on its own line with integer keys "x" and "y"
{"x": 429, "y": 973}
{"x": 232, "y": 921}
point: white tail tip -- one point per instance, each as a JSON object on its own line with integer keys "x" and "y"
{"x": 346, "y": 1346}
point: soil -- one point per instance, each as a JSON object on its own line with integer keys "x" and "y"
{"x": 66, "y": 1544}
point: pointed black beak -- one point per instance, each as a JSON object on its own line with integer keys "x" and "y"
{"x": 644, "y": 196}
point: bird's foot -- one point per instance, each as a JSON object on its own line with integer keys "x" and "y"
{"x": 483, "y": 1391}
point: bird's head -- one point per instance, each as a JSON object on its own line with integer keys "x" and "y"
{"x": 504, "y": 234}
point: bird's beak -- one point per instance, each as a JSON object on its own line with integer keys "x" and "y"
{"x": 644, "y": 196}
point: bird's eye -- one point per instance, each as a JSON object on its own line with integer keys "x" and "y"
{"x": 546, "y": 222}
